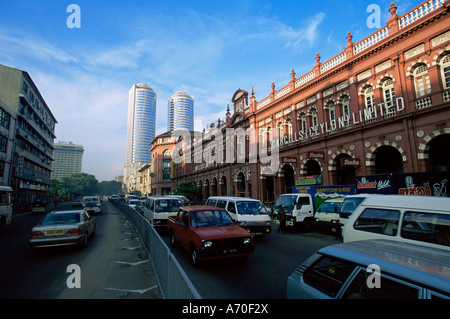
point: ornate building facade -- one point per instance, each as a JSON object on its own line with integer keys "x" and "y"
{"x": 380, "y": 106}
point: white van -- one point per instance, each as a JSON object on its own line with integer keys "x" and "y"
{"x": 327, "y": 215}
{"x": 158, "y": 209}
{"x": 249, "y": 213}
{"x": 92, "y": 205}
{"x": 349, "y": 205}
{"x": 423, "y": 220}
{"x": 5, "y": 205}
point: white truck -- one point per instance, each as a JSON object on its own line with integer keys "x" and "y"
{"x": 299, "y": 209}
{"x": 300, "y": 206}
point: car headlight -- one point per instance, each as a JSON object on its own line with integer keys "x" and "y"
{"x": 207, "y": 244}
{"x": 247, "y": 241}
{"x": 241, "y": 223}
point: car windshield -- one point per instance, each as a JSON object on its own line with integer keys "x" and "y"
{"x": 330, "y": 207}
{"x": 288, "y": 202}
{"x": 66, "y": 218}
{"x": 251, "y": 207}
{"x": 167, "y": 205}
{"x": 350, "y": 204}
{"x": 210, "y": 218}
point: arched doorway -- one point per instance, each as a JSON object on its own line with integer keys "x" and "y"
{"x": 345, "y": 174}
{"x": 214, "y": 187}
{"x": 223, "y": 186}
{"x": 240, "y": 185}
{"x": 312, "y": 167}
{"x": 268, "y": 189}
{"x": 388, "y": 160}
{"x": 289, "y": 179}
{"x": 439, "y": 154}
{"x": 199, "y": 195}
{"x": 206, "y": 190}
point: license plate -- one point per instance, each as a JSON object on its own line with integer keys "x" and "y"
{"x": 230, "y": 251}
{"x": 55, "y": 232}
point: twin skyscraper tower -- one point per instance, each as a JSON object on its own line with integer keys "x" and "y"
{"x": 141, "y": 124}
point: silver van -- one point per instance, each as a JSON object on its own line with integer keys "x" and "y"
{"x": 372, "y": 269}
{"x": 423, "y": 220}
{"x": 249, "y": 213}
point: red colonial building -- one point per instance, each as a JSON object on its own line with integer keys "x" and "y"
{"x": 380, "y": 106}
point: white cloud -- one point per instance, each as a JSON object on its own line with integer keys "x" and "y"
{"x": 15, "y": 44}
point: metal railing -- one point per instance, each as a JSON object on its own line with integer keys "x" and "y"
{"x": 172, "y": 280}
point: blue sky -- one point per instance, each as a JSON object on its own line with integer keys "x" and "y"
{"x": 208, "y": 49}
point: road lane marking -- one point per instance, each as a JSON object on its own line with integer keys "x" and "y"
{"x": 133, "y": 264}
{"x": 140, "y": 291}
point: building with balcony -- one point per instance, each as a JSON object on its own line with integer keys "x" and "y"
{"x": 380, "y": 106}
{"x": 162, "y": 167}
{"x": 34, "y": 134}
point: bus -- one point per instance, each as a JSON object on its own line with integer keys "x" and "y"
{"x": 5, "y": 205}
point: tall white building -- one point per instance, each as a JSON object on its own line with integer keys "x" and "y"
{"x": 141, "y": 127}
{"x": 68, "y": 160}
{"x": 180, "y": 112}
{"x": 141, "y": 123}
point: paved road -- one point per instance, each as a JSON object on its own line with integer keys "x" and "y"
{"x": 265, "y": 273}
{"x": 113, "y": 266}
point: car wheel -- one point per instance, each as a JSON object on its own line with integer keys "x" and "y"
{"x": 194, "y": 257}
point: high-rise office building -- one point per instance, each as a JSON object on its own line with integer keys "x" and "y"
{"x": 180, "y": 112}
{"x": 141, "y": 127}
{"x": 68, "y": 158}
{"x": 141, "y": 123}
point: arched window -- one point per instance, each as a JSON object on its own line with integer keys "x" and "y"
{"x": 388, "y": 92}
{"x": 280, "y": 129}
{"x": 369, "y": 100}
{"x": 331, "y": 111}
{"x": 345, "y": 101}
{"x": 314, "y": 119}
{"x": 445, "y": 71}
{"x": 269, "y": 136}
{"x": 289, "y": 126}
{"x": 421, "y": 80}
{"x": 302, "y": 119}
{"x": 263, "y": 137}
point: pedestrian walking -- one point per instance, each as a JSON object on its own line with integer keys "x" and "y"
{"x": 282, "y": 219}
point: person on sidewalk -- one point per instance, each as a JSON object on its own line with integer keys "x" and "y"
{"x": 282, "y": 219}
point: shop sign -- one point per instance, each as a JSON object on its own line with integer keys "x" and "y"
{"x": 316, "y": 155}
{"x": 350, "y": 162}
{"x": 289, "y": 160}
{"x": 309, "y": 180}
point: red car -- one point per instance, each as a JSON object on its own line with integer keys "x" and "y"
{"x": 208, "y": 233}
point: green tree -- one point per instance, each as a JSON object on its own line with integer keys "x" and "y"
{"x": 77, "y": 185}
{"x": 187, "y": 189}
{"x": 109, "y": 188}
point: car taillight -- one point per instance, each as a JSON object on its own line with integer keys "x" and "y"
{"x": 73, "y": 231}
{"x": 36, "y": 234}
